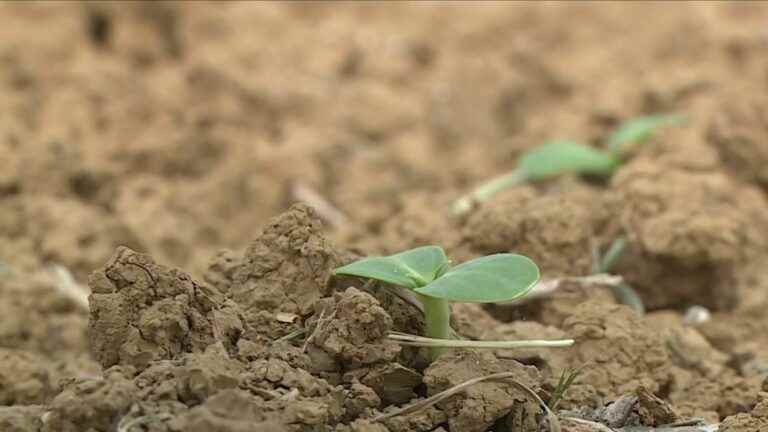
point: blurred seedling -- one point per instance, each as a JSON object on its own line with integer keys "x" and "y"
{"x": 623, "y": 292}
{"x": 601, "y": 275}
{"x": 67, "y": 286}
{"x": 561, "y": 157}
{"x": 427, "y": 272}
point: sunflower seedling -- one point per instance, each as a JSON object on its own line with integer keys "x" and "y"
{"x": 427, "y": 272}
{"x": 560, "y": 157}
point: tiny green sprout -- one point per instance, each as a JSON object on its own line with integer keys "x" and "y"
{"x": 427, "y": 272}
{"x": 567, "y": 379}
{"x": 560, "y": 157}
{"x": 637, "y": 130}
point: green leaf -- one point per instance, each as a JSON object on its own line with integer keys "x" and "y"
{"x": 637, "y": 130}
{"x": 560, "y": 157}
{"x": 411, "y": 269}
{"x": 493, "y": 278}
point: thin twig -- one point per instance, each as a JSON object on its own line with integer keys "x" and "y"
{"x": 413, "y": 340}
{"x": 324, "y": 208}
{"x": 314, "y": 332}
{"x": 554, "y": 425}
{"x": 685, "y": 428}
{"x": 319, "y": 324}
{"x": 292, "y": 335}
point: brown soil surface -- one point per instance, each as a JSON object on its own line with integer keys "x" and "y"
{"x": 152, "y": 156}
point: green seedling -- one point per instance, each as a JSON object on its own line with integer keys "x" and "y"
{"x": 560, "y": 157}
{"x": 427, "y": 272}
{"x": 623, "y": 292}
{"x": 567, "y": 379}
{"x": 637, "y": 130}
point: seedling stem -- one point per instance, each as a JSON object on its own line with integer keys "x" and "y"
{"x": 485, "y": 191}
{"x": 437, "y": 313}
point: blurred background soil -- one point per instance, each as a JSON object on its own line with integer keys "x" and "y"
{"x": 180, "y": 129}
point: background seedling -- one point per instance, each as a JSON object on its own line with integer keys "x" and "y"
{"x": 623, "y": 292}
{"x": 569, "y": 157}
{"x": 637, "y": 130}
{"x": 601, "y": 275}
{"x": 427, "y": 272}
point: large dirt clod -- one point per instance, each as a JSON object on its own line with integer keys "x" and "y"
{"x": 92, "y": 404}
{"x": 690, "y": 233}
{"x": 142, "y": 312}
{"x": 616, "y": 349}
{"x": 287, "y": 267}
{"x": 481, "y": 405}
{"x": 739, "y": 131}
{"x": 228, "y": 411}
{"x": 557, "y": 230}
{"x": 354, "y": 329}
{"x": 754, "y": 421}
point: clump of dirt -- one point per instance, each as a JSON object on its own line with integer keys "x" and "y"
{"x": 690, "y": 233}
{"x": 142, "y": 311}
{"x": 755, "y": 420}
{"x": 230, "y": 411}
{"x": 394, "y": 383}
{"x": 96, "y": 404}
{"x": 419, "y": 220}
{"x": 705, "y": 381}
{"x": 285, "y": 270}
{"x": 738, "y": 131}
{"x": 617, "y": 350}
{"x": 356, "y": 333}
{"x": 554, "y": 308}
{"x": 484, "y": 404}
{"x": 558, "y": 230}
{"x": 21, "y": 418}
{"x": 742, "y": 338}
{"x": 25, "y": 379}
